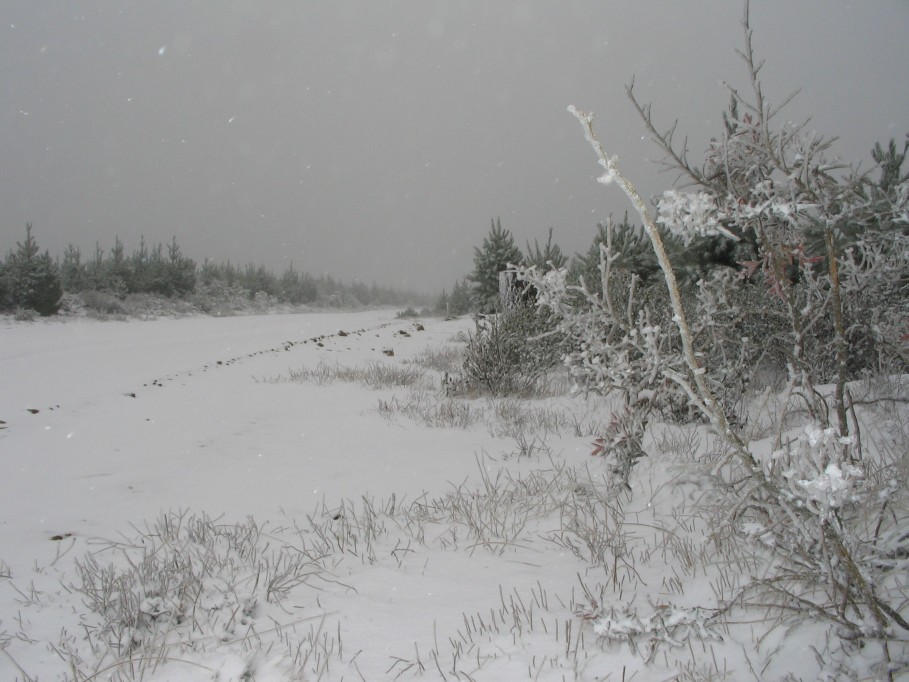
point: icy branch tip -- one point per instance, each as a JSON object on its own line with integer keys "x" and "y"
{"x": 582, "y": 116}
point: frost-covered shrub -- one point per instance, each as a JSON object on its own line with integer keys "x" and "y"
{"x": 262, "y": 301}
{"x": 874, "y": 274}
{"x": 217, "y": 297}
{"x": 151, "y": 305}
{"x": 825, "y": 254}
{"x": 102, "y": 304}
{"x": 510, "y": 352}
{"x": 24, "y": 315}
{"x": 621, "y": 336}
{"x": 614, "y": 338}
{"x": 621, "y": 444}
{"x": 832, "y": 249}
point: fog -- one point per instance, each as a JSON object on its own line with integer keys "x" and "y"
{"x": 376, "y": 140}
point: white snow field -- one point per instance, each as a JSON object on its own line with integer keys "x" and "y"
{"x": 280, "y": 498}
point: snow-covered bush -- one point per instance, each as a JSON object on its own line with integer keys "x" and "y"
{"x": 621, "y": 338}
{"x": 824, "y": 253}
{"x": 217, "y": 297}
{"x": 510, "y": 352}
{"x": 102, "y": 304}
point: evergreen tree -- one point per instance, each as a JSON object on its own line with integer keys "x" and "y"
{"x": 890, "y": 161}
{"x": 295, "y": 288}
{"x": 633, "y": 247}
{"x": 547, "y": 258}
{"x": 159, "y": 275}
{"x": 442, "y": 305}
{"x": 72, "y": 271}
{"x": 116, "y": 271}
{"x": 258, "y": 278}
{"x": 498, "y": 252}
{"x": 181, "y": 271}
{"x": 4, "y": 294}
{"x": 459, "y": 300}
{"x": 95, "y": 275}
{"x": 32, "y": 279}
{"x": 142, "y": 270}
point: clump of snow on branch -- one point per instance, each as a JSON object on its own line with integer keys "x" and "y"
{"x": 820, "y": 477}
{"x": 691, "y": 215}
{"x": 667, "y": 624}
{"x": 833, "y": 487}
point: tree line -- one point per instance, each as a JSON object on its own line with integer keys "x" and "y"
{"x": 33, "y": 281}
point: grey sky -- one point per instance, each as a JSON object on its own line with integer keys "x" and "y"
{"x": 376, "y": 139}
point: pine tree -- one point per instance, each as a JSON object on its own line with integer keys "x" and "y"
{"x": 181, "y": 271}
{"x": 296, "y": 288}
{"x": 498, "y": 252}
{"x": 459, "y": 300}
{"x": 32, "y": 279}
{"x": 442, "y": 305}
{"x": 4, "y": 294}
{"x": 116, "y": 273}
{"x": 890, "y": 161}
{"x": 141, "y": 268}
{"x": 633, "y": 247}
{"x": 159, "y": 277}
{"x": 95, "y": 275}
{"x": 72, "y": 271}
{"x": 549, "y": 257}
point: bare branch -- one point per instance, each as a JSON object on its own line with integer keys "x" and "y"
{"x": 664, "y": 140}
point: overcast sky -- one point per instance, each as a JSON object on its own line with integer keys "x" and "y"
{"x": 375, "y": 139}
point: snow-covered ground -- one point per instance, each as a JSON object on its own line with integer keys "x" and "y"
{"x": 175, "y": 506}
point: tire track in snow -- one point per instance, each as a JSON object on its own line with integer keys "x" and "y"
{"x": 322, "y": 341}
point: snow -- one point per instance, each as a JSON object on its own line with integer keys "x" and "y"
{"x": 324, "y": 538}
{"x": 832, "y": 481}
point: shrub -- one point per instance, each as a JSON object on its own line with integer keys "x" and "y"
{"x": 24, "y": 315}
{"x": 510, "y": 352}
{"x": 219, "y": 297}
{"x": 824, "y": 254}
{"x": 102, "y": 303}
